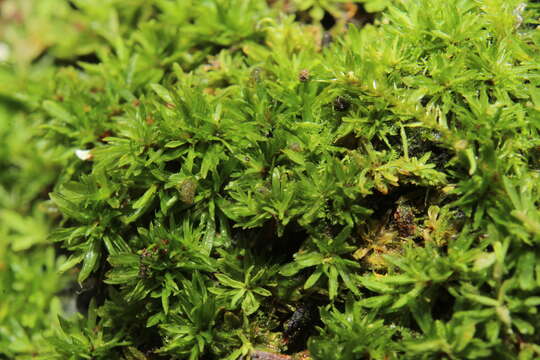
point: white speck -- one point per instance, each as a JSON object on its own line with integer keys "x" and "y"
{"x": 4, "y": 51}
{"x": 83, "y": 154}
{"x": 375, "y": 84}
{"x": 518, "y": 12}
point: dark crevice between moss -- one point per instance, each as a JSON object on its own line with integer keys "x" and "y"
{"x": 328, "y": 21}
{"x": 73, "y": 5}
{"x": 90, "y": 58}
{"x": 443, "y": 307}
{"x": 266, "y": 242}
{"x": 383, "y": 204}
{"x": 362, "y": 17}
{"x": 300, "y": 326}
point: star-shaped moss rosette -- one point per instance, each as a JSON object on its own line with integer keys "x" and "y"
{"x": 207, "y": 169}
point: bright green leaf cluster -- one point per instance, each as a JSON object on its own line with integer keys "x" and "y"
{"x": 246, "y": 175}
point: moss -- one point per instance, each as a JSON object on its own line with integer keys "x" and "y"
{"x": 214, "y": 166}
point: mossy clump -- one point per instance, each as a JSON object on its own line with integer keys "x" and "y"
{"x": 292, "y": 179}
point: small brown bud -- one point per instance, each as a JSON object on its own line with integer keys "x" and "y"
{"x": 341, "y": 104}
{"x": 187, "y": 190}
{"x": 304, "y": 75}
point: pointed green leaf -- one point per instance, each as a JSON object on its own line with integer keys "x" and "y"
{"x": 313, "y": 278}
{"x": 91, "y": 258}
{"x": 227, "y": 281}
{"x": 147, "y": 197}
